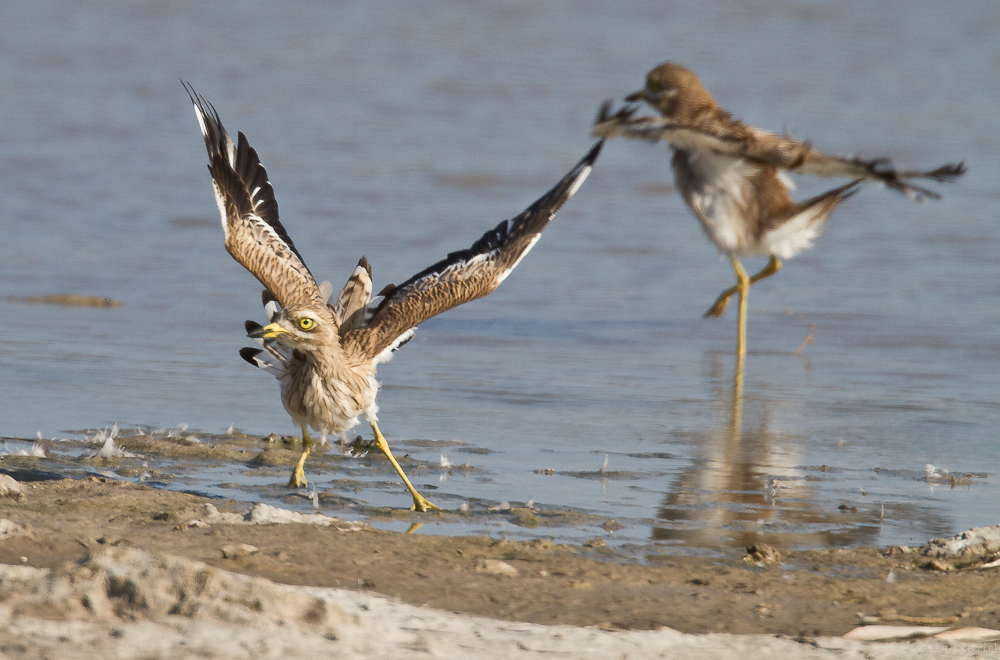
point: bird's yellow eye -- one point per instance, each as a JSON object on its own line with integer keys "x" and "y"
{"x": 307, "y": 323}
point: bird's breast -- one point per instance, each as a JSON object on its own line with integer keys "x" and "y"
{"x": 328, "y": 397}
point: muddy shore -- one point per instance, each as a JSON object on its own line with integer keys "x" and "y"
{"x": 803, "y": 595}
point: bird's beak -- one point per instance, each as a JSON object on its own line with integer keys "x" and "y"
{"x": 267, "y": 332}
{"x": 635, "y": 97}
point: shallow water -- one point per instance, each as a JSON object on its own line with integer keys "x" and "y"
{"x": 404, "y": 133}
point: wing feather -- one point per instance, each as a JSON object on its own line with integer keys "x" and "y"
{"x": 249, "y": 212}
{"x": 781, "y": 151}
{"x": 354, "y": 297}
{"x": 463, "y": 275}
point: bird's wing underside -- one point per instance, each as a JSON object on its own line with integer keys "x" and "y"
{"x": 464, "y": 275}
{"x": 254, "y": 236}
{"x": 781, "y": 151}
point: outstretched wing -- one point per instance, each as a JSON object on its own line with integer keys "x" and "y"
{"x": 254, "y": 237}
{"x": 781, "y": 151}
{"x": 877, "y": 169}
{"x": 464, "y": 275}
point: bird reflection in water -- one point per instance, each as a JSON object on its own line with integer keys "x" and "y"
{"x": 749, "y": 486}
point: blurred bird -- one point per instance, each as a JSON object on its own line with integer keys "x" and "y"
{"x": 324, "y": 353}
{"x": 733, "y": 176}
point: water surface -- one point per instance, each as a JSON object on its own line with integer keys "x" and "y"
{"x": 403, "y": 131}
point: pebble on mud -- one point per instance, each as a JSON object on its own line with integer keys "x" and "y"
{"x": 496, "y": 567}
{"x": 9, "y": 487}
{"x": 761, "y": 554}
{"x": 10, "y": 528}
{"x": 238, "y": 550}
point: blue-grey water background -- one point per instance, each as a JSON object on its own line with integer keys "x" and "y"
{"x": 401, "y": 131}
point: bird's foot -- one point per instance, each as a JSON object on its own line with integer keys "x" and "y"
{"x": 719, "y": 308}
{"x": 422, "y": 504}
{"x": 298, "y": 479}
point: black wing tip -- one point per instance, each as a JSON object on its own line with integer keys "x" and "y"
{"x": 949, "y": 172}
{"x": 200, "y": 103}
{"x": 569, "y": 184}
{"x": 603, "y": 113}
{"x": 363, "y": 262}
{"x": 189, "y": 88}
{"x": 534, "y": 218}
{"x": 250, "y": 355}
{"x": 196, "y": 98}
{"x": 623, "y": 113}
{"x": 850, "y": 189}
{"x": 250, "y": 327}
{"x": 592, "y": 155}
{"x": 529, "y": 222}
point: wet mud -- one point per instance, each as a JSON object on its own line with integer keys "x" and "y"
{"x": 53, "y": 521}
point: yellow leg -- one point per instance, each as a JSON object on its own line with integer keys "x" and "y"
{"x": 742, "y": 288}
{"x": 772, "y": 267}
{"x": 298, "y": 479}
{"x": 420, "y": 503}
{"x": 737, "y": 421}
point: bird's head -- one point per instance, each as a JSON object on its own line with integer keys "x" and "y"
{"x": 675, "y": 91}
{"x": 301, "y": 327}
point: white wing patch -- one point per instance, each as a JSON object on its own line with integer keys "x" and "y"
{"x": 534, "y": 239}
{"x": 386, "y": 355}
{"x": 271, "y": 357}
{"x": 220, "y": 201}
{"x": 274, "y": 370}
{"x": 230, "y": 150}
{"x": 584, "y": 173}
{"x": 271, "y": 310}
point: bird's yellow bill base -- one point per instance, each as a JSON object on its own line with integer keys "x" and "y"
{"x": 420, "y": 503}
{"x": 298, "y": 479}
{"x": 269, "y": 332}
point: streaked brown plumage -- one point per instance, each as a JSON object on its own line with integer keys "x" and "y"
{"x": 732, "y": 175}
{"x": 324, "y": 354}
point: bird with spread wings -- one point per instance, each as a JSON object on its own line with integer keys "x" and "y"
{"x": 733, "y": 176}
{"x": 324, "y": 353}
